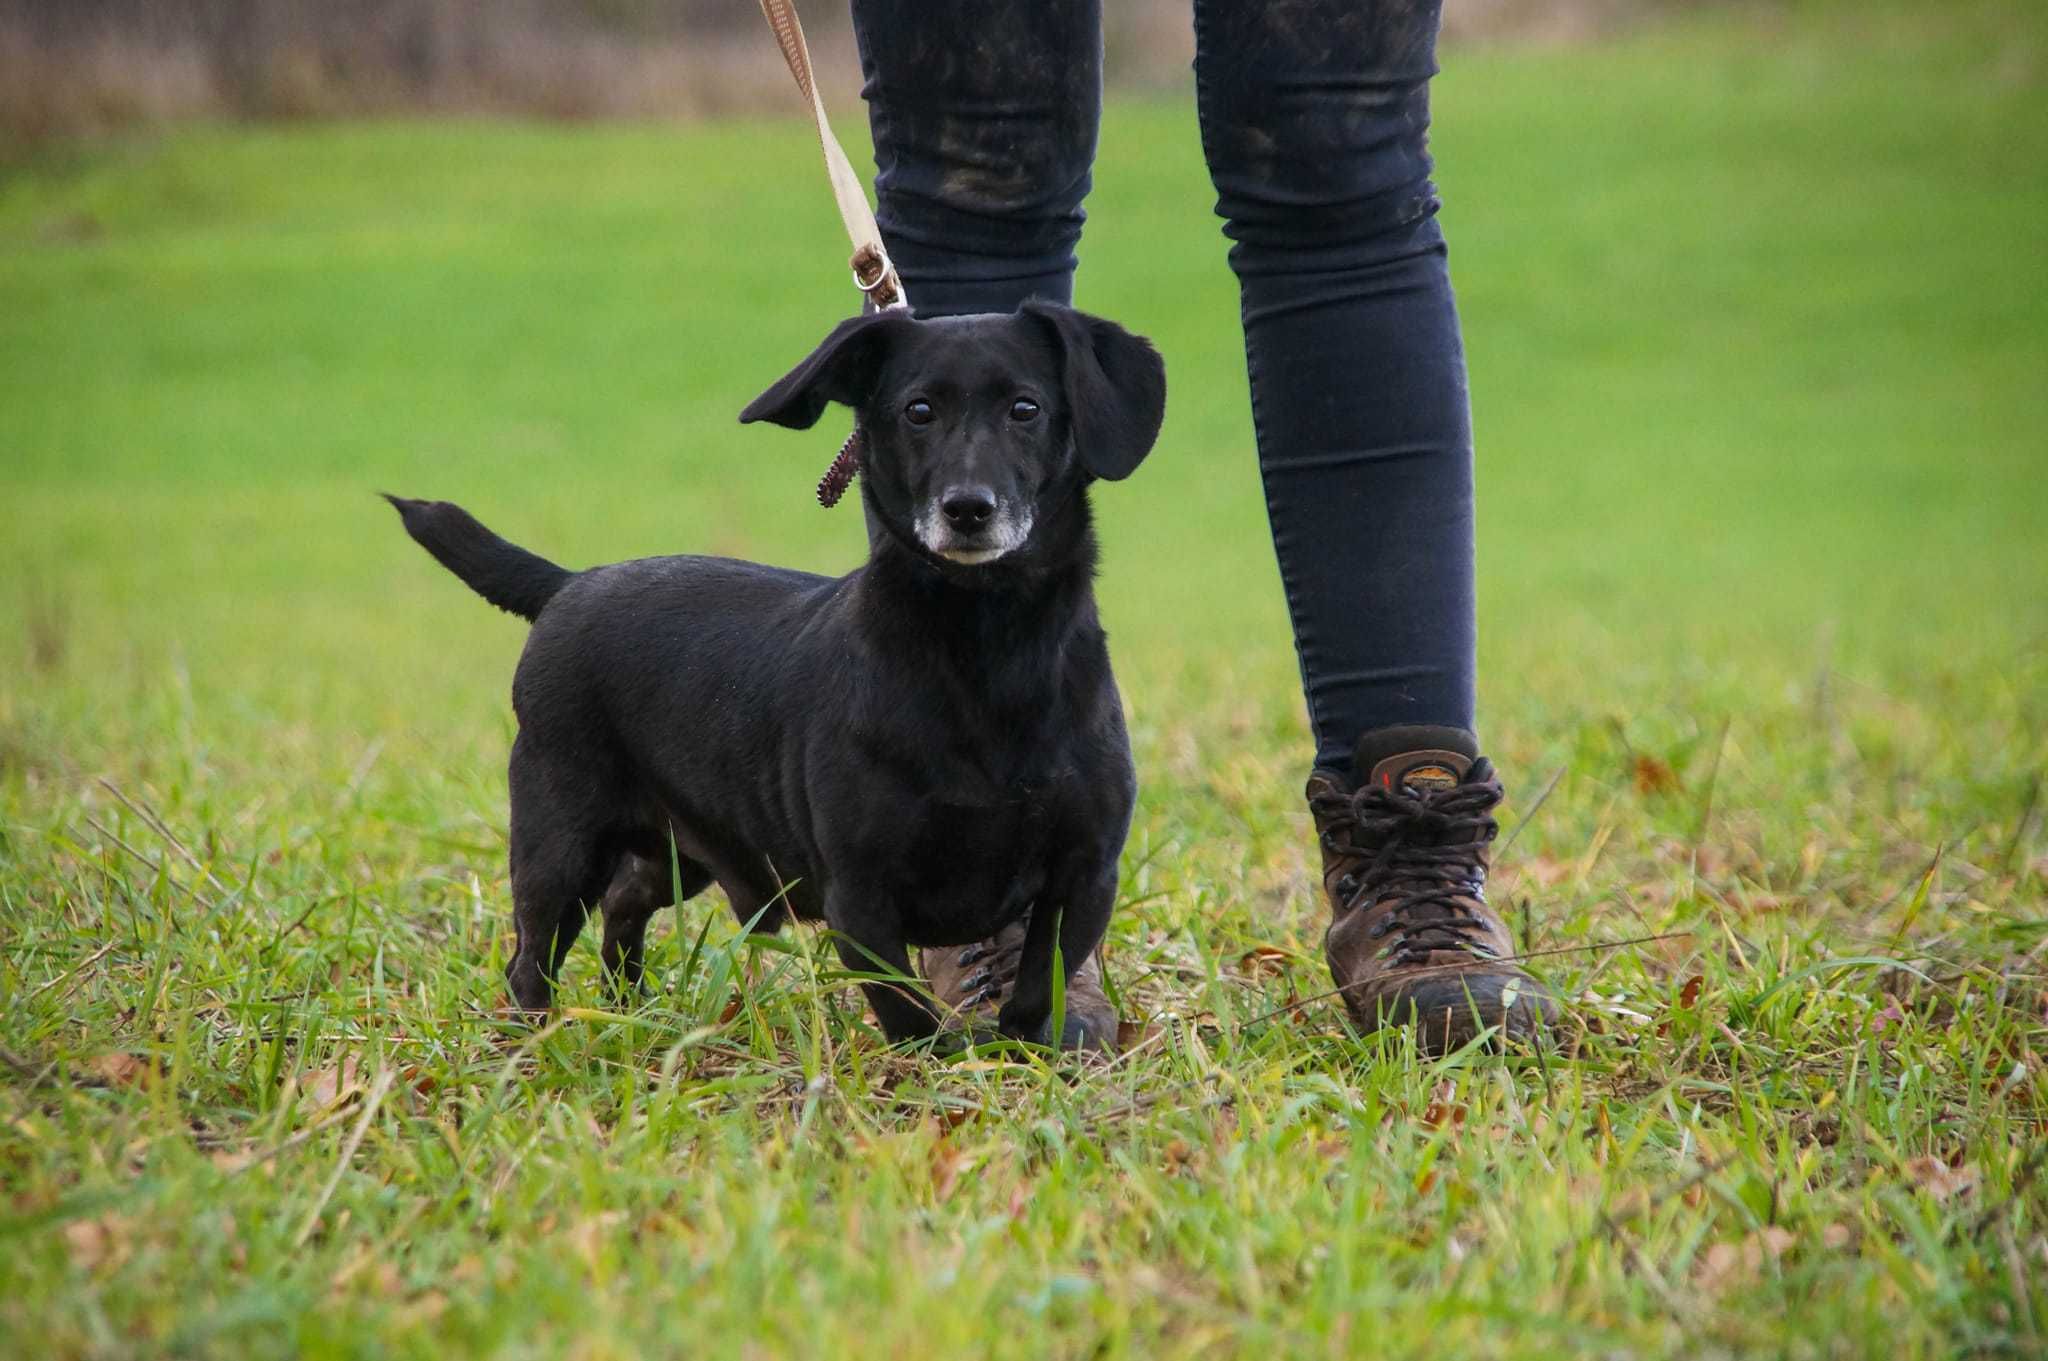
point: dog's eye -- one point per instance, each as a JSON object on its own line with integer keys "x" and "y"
{"x": 918, "y": 412}
{"x": 1023, "y": 409}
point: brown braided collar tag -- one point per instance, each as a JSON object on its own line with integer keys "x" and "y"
{"x": 839, "y": 476}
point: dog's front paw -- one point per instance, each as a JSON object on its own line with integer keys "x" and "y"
{"x": 1081, "y": 1031}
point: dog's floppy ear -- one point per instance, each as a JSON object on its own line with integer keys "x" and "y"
{"x": 842, "y": 369}
{"x": 1116, "y": 388}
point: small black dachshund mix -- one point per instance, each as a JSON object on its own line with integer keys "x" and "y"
{"x": 920, "y": 752}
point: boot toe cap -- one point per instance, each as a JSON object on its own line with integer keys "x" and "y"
{"x": 1449, "y": 1010}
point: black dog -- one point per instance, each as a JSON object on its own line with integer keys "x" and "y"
{"x": 919, "y": 752}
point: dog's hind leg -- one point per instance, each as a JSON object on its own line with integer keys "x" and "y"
{"x": 641, "y": 887}
{"x": 560, "y": 820}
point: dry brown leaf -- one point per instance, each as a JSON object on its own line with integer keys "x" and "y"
{"x": 1653, "y": 776}
{"x": 1689, "y": 995}
{"x": 1263, "y": 960}
{"x": 952, "y": 1117}
{"x": 948, "y": 1162}
{"x": 96, "y": 1243}
{"x": 1775, "y": 1239}
{"x": 121, "y": 1069}
{"x": 1939, "y": 1179}
{"x": 333, "y": 1084}
{"x": 1718, "y": 1264}
{"x": 1130, "y": 1034}
{"x": 1634, "y": 1201}
{"x": 1728, "y": 1263}
{"x": 1443, "y": 1108}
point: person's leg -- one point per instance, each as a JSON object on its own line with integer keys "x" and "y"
{"x": 984, "y": 119}
{"x": 1315, "y": 119}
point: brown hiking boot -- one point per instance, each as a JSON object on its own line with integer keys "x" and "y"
{"x": 1405, "y": 855}
{"x": 972, "y": 982}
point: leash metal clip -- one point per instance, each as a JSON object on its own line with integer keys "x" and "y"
{"x": 874, "y": 274}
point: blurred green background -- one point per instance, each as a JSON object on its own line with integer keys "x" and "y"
{"x": 1757, "y": 306}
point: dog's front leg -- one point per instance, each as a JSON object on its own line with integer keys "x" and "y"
{"x": 1082, "y": 916}
{"x": 869, "y": 945}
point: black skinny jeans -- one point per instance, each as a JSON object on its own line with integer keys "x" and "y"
{"x": 1315, "y": 119}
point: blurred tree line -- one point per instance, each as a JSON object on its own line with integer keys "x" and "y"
{"x": 81, "y": 66}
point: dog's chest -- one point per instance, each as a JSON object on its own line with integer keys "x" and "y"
{"x": 975, "y": 860}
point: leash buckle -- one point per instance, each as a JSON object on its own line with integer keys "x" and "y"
{"x": 874, "y": 274}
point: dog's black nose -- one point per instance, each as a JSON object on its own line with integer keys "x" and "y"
{"x": 968, "y": 511}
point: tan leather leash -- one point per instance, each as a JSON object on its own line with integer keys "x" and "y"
{"x": 873, "y": 272}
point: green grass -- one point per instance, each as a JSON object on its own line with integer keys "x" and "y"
{"x": 1758, "y": 317}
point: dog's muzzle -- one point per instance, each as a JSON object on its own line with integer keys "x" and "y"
{"x": 970, "y": 526}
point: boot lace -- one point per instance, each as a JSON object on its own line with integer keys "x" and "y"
{"x": 997, "y": 973}
{"x": 1419, "y": 858}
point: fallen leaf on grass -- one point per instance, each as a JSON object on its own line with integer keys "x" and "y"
{"x": 1264, "y": 960}
{"x": 1689, "y": 995}
{"x": 1940, "y": 1180}
{"x": 96, "y": 1243}
{"x": 121, "y": 1069}
{"x": 1443, "y": 1108}
{"x": 1728, "y": 1263}
{"x": 948, "y": 1162}
{"x": 1130, "y": 1034}
{"x": 232, "y": 1160}
{"x": 1653, "y": 776}
{"x": 333, "y": 1084}
{"x": 952, "y": 1117}
{"x": 1613, "y": 1006}
{"x": 1634, "y": 1201}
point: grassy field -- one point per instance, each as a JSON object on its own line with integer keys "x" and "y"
{"x": 1758, "y": 318}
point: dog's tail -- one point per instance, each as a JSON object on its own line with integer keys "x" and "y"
{"x": 505, "y": 574}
